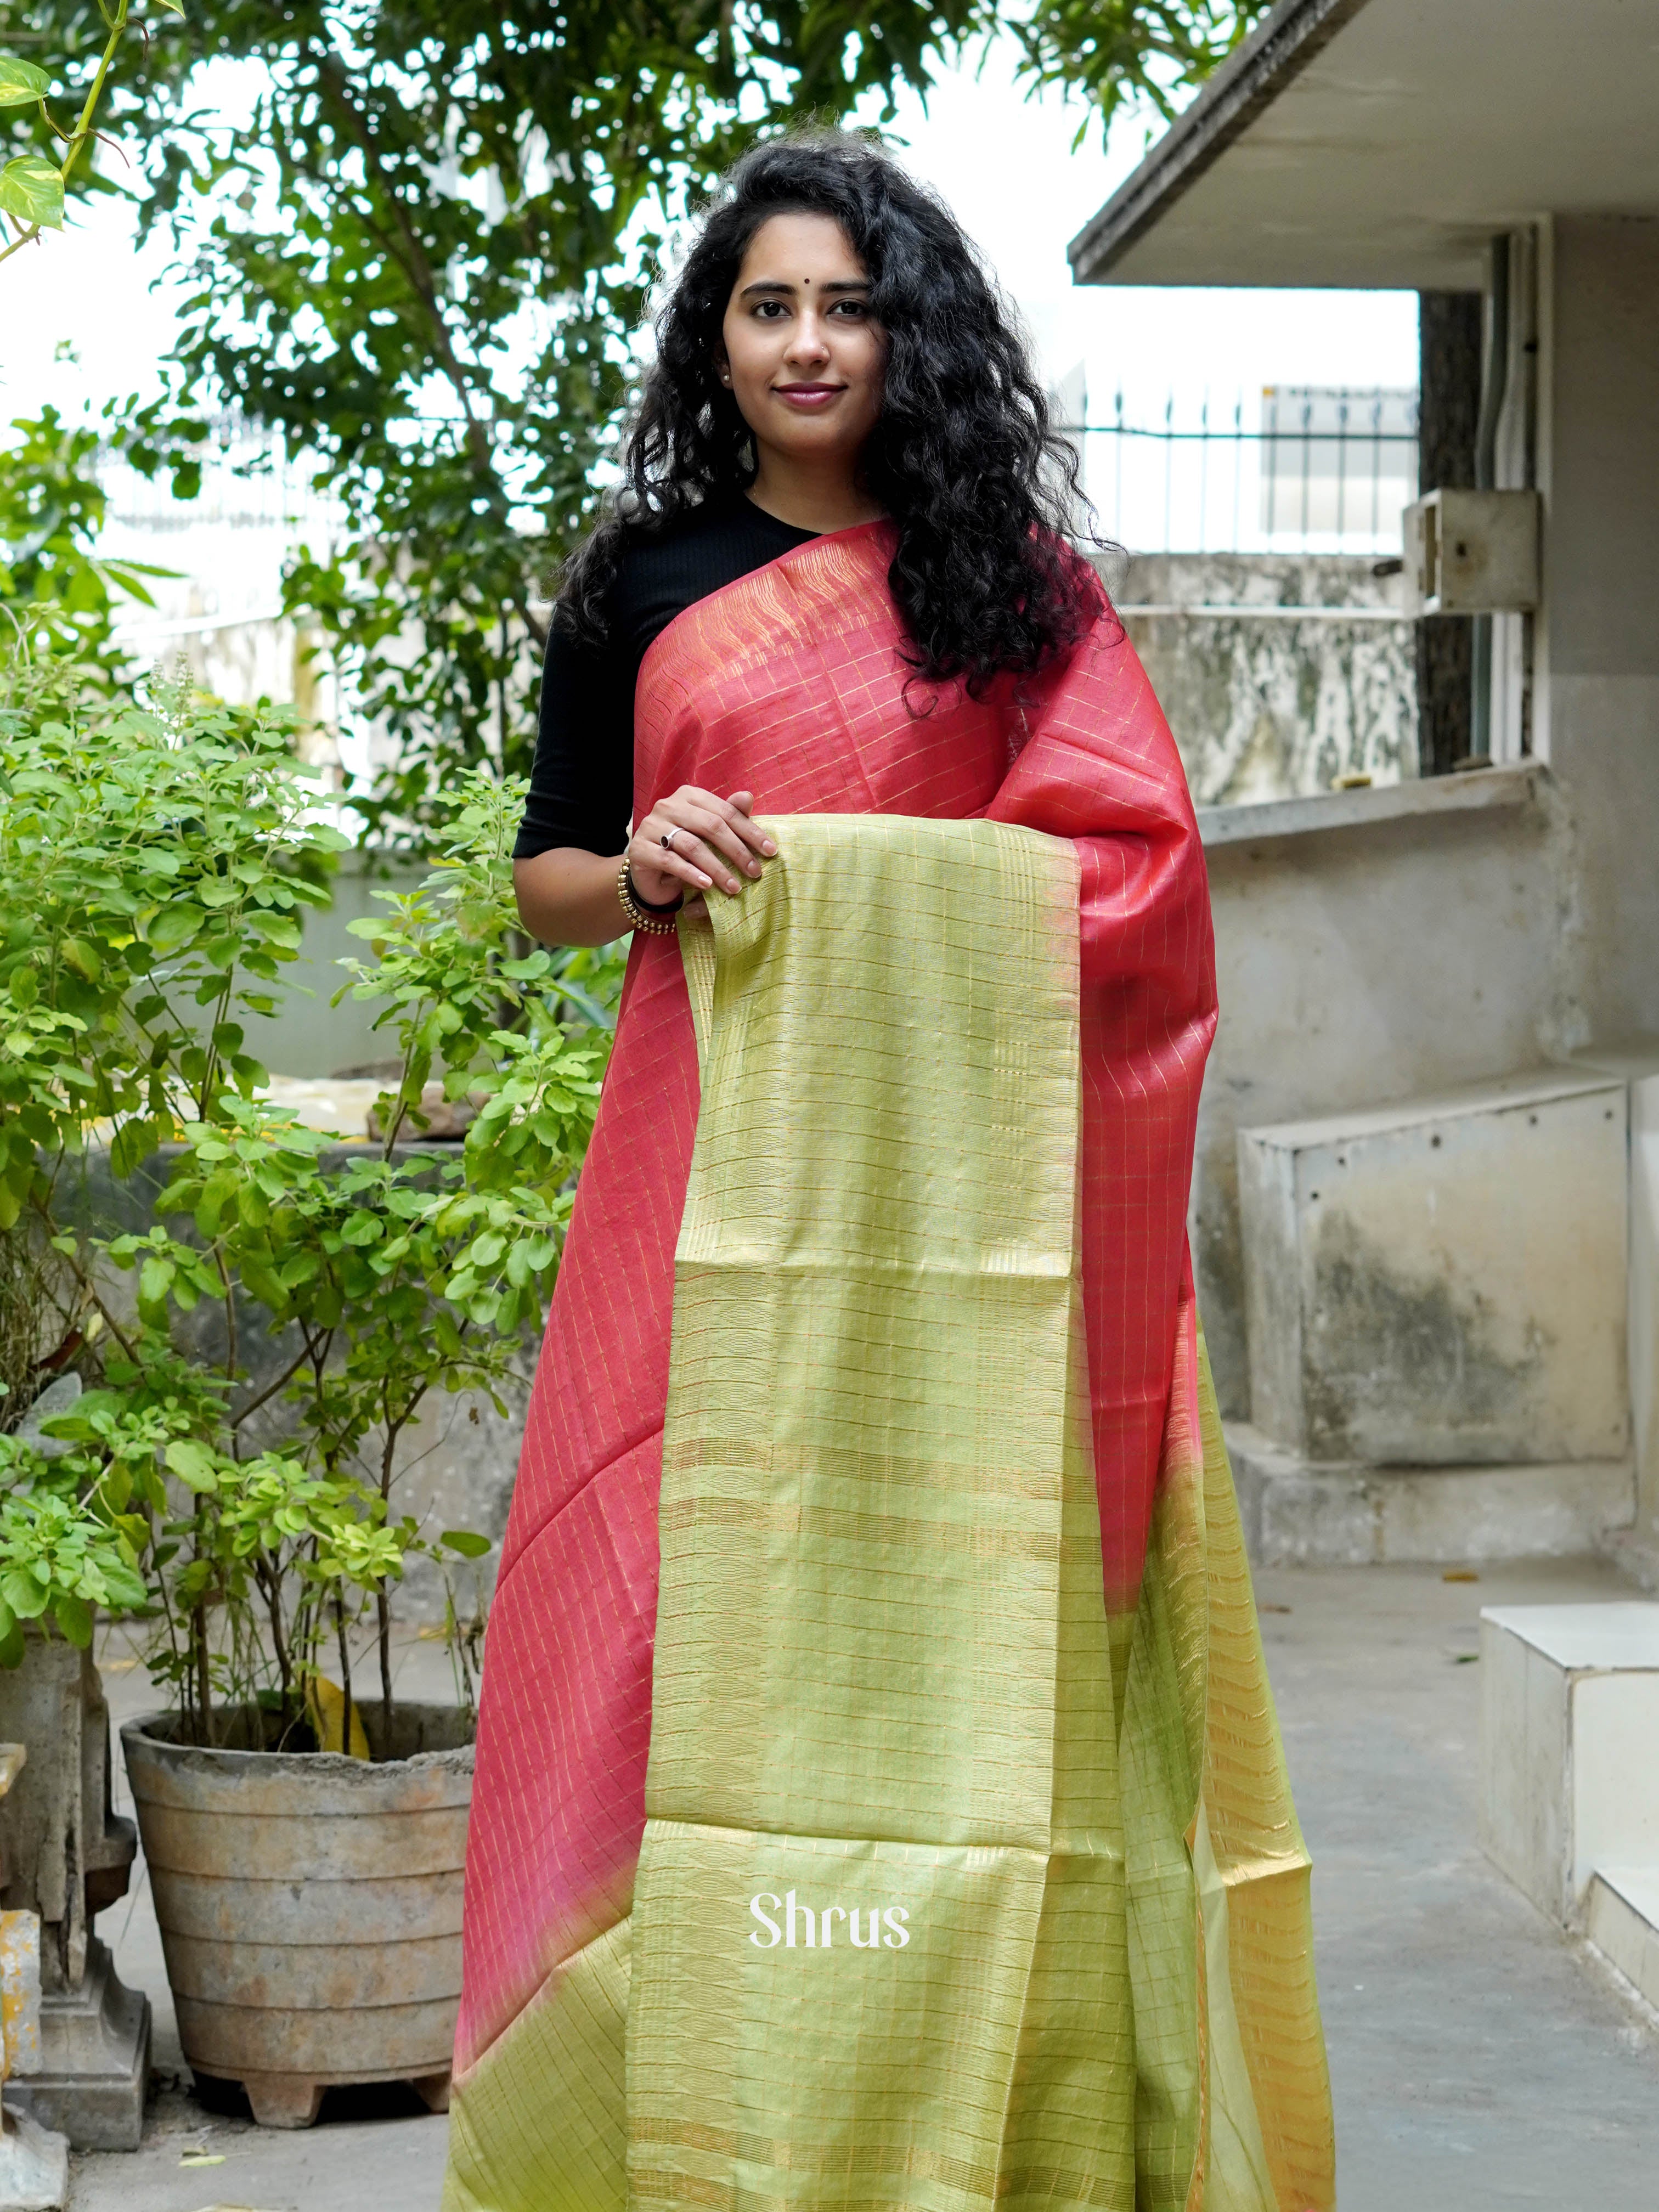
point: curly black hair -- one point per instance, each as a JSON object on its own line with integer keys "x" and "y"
{"x": 963, "y": 457}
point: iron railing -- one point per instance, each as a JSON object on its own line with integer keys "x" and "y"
{"x": 1323, "y": 471}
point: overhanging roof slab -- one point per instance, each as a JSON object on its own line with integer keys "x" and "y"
{"x": 1381, "y": 144}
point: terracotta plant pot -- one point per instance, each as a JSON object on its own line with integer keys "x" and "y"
{"x": 310, "y": 1905}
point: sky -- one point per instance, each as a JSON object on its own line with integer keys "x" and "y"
{"x": 1006, "y": 166}
{"x": 1004, "y": 163}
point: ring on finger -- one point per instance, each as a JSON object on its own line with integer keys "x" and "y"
{"x": 669, "y": 837}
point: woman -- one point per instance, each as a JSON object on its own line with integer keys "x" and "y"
{"x": 879, "y": 1797}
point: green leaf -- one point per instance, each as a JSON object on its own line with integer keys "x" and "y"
{"x": 31, "y": 191}
{"x": 23, "y": 1594}
{"x": 123, "y": 1587}
{"x": 154, "y": 1280}
{"x": 12, "y": 1647}
{"x": 261, "y": 1284}
{"x": 193, "y": 1464}
{"x": 74, "y": 1616}
{"x": 82, "y": 957}
{"x": 135, "y": 1528}
{"x": 467, "y": 1541}
{"x": 83, "y": 1417}
{"x": 216, "y": 1194}
{"x": 172, "y": 7}
{"x": 175, "y": 926}
{"x": 20, "y": 82}
{"x": 279, "y": 928}
{"x": 135, "y": 1141}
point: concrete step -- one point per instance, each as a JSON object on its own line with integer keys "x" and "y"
{"x": 1621, "y": 1918}
{"x": 1300, "y": 1513}
{"x": 1570, "y": 1717}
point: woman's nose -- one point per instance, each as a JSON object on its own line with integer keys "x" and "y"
{"x": 811, "y": 340}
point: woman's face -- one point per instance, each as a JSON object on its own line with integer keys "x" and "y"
{"x": 802, "y": 353}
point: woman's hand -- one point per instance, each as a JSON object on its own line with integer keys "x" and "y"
{"x": 711, "y": 842}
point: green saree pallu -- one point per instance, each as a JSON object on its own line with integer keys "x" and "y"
{"x": 879, "y": 1801}
{"x": 957, "y": 1887}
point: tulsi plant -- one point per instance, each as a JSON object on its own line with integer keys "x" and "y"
{"x": 261, "y": 1311}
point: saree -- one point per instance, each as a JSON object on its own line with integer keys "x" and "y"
{"x": 880, "y": 1800}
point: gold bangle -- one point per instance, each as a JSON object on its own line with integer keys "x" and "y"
{"x": 659, "y": 924}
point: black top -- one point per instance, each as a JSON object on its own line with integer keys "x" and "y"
{"x": 582, "y": 786}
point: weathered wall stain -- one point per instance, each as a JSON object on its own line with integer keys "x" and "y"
{"x": 1273, "y": 708}
{"x": 1360, "y": 966}
{"x": 1379, "y": 1336}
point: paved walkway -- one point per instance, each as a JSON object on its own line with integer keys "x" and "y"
{"x": 1481, "y": 2062}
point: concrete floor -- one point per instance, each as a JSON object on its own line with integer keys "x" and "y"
{"x": 1481, "y": 2061}
{"x": 1479, "y": 2057}
{"x": 372, "y": 2150}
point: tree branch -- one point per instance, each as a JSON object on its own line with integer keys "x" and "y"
{"x": 87, "y": 1286}
{"x": 413, "y": 258}
{"x": 283, "y": 1379}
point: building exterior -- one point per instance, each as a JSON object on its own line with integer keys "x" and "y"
{"x": 1427, "y": 1198}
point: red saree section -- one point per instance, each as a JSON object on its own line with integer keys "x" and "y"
{"x": 792, "y": 683}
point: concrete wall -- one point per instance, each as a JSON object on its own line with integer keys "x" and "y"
{"x": 1442, "y": 1283}
{"x": 1597, "y": 654}
{"x": 1372, "y": 950}
{"x": 306, "y": 1035}
{"x": 1371, "y": 946}
{"x": 1644, "y": 1299}
{"x": 1263, "y": 707}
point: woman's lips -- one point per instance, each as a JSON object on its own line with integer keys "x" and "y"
{"x": 809, "y": 396}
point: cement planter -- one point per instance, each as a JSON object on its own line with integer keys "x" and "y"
{"x": 310, "y": 1905}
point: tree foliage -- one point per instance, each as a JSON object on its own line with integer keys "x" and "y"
{"x": 33, "y": 184}
{"x": 420, "y": 260}
{"x": 57, "y": 591}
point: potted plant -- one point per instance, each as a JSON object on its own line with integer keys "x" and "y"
{"x": 261, "y": 1311}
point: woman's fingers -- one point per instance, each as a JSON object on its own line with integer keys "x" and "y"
{"x": 700, "y": 854}
{"x": 703, "y": 808}
{"x": 661, "y": 872}
{"x": 658, "y": 874}
{"x": 701, "y": 860}
{"x": 710, "y": 840}
{"x": 742, "y": 804}
{"x": 725, "y": 824}
{"x": 718, "y": 831}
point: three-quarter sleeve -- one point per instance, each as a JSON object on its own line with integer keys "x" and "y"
{"x": 581, "y": 782}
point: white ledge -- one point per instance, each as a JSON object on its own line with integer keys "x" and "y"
{"x": 1475, "y": 790}
{"x": 1253, "y": 611}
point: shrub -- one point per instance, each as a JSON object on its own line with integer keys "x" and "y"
{"x": 155, "y": 864}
